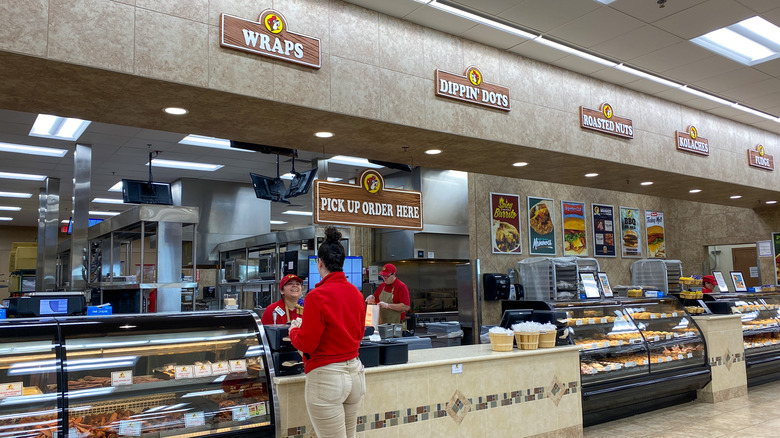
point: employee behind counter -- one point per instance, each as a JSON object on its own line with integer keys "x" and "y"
{"x": 392, "y": 296}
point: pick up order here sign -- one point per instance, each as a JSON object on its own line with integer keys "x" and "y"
{"x": 367, "y": 203}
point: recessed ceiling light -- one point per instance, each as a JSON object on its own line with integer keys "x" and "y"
{"x": 353, "y": 161}
{"x": 591, "y": 175}
{"x": 65, "y": 221}
{"x": 334, "y": 179}
{"x": 520, "y": 164}
{"x": 103, "y": 213}
{"x": 108, "y": 201}
{"x": 187, "y": 165}
{"x": 6, "y": 208}
{"x": 694, "y": 191}
{"x": 60, "y": 128}
{"x": 277, "y": 222}
{"x": 116, "y": 187}
{"x": 433, "y": 151}
{"x": 6, "y": 218}
{"x": 750, "y": 42}
{"x": 736, "y": 196}
{"x": 15, "y": 195}
{"x": 175, "y": 111}
{"x": 210, "y": 142}
{"x": 646, "y": 183}
{"x": 771, "y": 202}
{"x": 297, "y": 213}
{"x": 32, "y": 150}
{"x": 22, "y": 176}
{"x": 323, "y": 134}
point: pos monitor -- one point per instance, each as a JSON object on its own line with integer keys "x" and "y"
{"x": 271, "y": 189}
{"x": 145, "y": 192}
{"x": 301, "y": 183}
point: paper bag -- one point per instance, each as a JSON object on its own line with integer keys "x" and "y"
{"x": 372, "y": 315}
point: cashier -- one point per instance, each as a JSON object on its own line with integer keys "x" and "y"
{"x": 709, "y": 284}
{"x": 392, "y": 296}
{"x": 288, "y": 308}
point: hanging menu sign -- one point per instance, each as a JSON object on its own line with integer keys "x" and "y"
{"x": 603, "y": 230}
{"x": 691, "y": 142}
{"x": 269, "y": 36}
{"x": 367, "y": 203}
{"x": 759, "y": 158}
{"x": 470, "y": 88}
{"x": 605, "y": 121}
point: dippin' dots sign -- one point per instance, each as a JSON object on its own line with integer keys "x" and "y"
{"x": 471, "y": 88}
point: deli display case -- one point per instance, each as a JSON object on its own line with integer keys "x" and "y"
{"x": 637, "y": 354}
{"x": 166, "y": 375}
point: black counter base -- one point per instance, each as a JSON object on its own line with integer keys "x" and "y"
{"x": 763, "y": 368}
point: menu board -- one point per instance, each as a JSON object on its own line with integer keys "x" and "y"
{"x": 631, "y": 234}
{"x": 654, "y": 227}
{"x": 505, "y": 224}
{"x": 541, "y": 226}
{"x": 776, "y": 245}
{"x": 575, "y": 242}
{"x": 603, "y": 230}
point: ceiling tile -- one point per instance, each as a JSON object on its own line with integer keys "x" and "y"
{"x": 492, "y": 7}
{"x": 746, "y": 92}
{"x": 534, "y": 50}
{"x": 396, "y": 8}
{"x": 704, "y": 17}
{"x": 492, "y": 37}
{"x": 770, "y": 67}
{"x": 545, "y": 15}
{"x": 676, "y": 55}
{"x": 702, "y": 69}
{"x": 646, "y": 86}
{"x": 649, "y": 11}
{"x": 614, "y": 76}
{"x": 435, "y": 19}
{"x": 636, "y": 43}
{"x": 675, "y": 95}
{"x": 596, "y": 27}
{"x": 579, "y": 65}
{"x": 760, "y": 6}
{"x": 734, "y": 78}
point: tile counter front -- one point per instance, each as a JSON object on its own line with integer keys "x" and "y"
{"x": 464, "y": 391}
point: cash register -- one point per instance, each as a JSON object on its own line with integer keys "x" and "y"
{"x": 34, "y": 304}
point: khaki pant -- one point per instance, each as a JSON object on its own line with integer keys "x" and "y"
{"x": 333, "y": 393}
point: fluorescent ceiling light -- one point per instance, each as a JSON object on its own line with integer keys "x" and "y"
{"x": 297, "y": 213}
{"x": 606, "y": 2}
{"x": 334, "y": 179}
{"x": 116, "y": 187}
{"x": 32, "y": 150}
{"x": 648, "y": 76}
{"x": 353, "y": 161}
{"x": 750, "y": 42}
{"x": 6, "y": 208}
{"x": 479, "y": 19}
{"x": 103, "y": 213}
{"x": 6, "y": 218}
{"x": 186, "y": 165}
{"x": 754, "y": 112}
{"x": 108, "y": 201}
{"x": 22, "y": 176}
{"x": 15, "y": 195}
{"x": 59, "y": 128}
{"x": 210, "y": 142}
{"x": 575, "y": 52}
{"x": 704, "y": 95}
{"x": 278, "y": 222}
{"x": 175, "y": 111}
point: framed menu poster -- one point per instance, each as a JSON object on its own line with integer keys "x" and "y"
{"x": 654, "y": 227}
{"x": 631, "y": 234}
{"x": 603, "y": 224}
{"x": 722, "y": 286}
{"x": 575, "y": 242}
{"x": 541, "y": 226}
{"x": 605, "y": 287}
{"x": 505, "y": 223}
{"x": 738, "y": 280}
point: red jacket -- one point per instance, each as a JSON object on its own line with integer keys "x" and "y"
{"x": 334, "y": 323}
{"x": 270, "y": 311}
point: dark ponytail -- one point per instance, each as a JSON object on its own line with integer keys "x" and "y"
{"x": 331, "y": 252}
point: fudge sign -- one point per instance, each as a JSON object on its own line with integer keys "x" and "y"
{"x": 269, "y": 36}
{"x": 367, "y": 203}
{"x": 759, "y": 158}
{"x": 471, "y": 88}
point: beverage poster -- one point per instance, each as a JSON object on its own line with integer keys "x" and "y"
{"x": 575, "y": 242}
{"x": 541, "y": 226}
{"x": 654, "y": 227}
{"x": 630, "y": 232}
{"x": 776, "y": 245}
{"x": 603, "y": 230}
{"x": 505, "y": 226}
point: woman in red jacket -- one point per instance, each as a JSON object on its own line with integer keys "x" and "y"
{"x": 329, "y": 338}
{"x": 288, "y": 308}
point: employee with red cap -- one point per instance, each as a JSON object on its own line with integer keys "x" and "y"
{"x": 288, "y": 308}
{"x": 709, "y": 284}
{"x": 392, "y": 296}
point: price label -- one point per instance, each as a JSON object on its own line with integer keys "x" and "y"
{"x": 257, "y": 409}
{"x": 680, "y": 357}
{"x": 194, "y": 419}
{"x": 577, "y": 322}
{"x": 73, "y": 433}
{"x": 608, "y": 368}
{"x": 130, "y": 427}
{"x": 238, "y": 366}
{"x": 676, "y": 335}
{"x": 11, "y": 389}
{"x": 668, "y": 336}
{"x": 674, "y": 314}
{"x": 219, "y": 368}
{"x": 591, "y": 321}
{"x": 240, "y": 413}
{"x": 656, "y": 338}
{"x": 669, "y": 358}
{"x": 606, "y": 344}
{"x": 203, "y": 370}
{"x": 593, "y": 371}
{"x": 620, "y": 342}
{"x": 618, "y": 366}
{"x": 690, "y": 355}
{"x": 636, "y": 341}
{"x": 652, "y": 316}
{"x": 604, "y": 320}
{"x": 663, "y": 315}
{"x": 119, "y": 378}
{"x": 630, "y": 364}
{"x": 185, "y": 372}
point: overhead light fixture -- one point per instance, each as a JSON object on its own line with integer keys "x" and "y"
{"x": 591, "y": 175}
{"x": 297, "y": 213}
{"x": 572, "y": 51}
{"x": 32, "y": 150}
{"x": 648, "y": 76}
{"x": 334, "y": 179}
{"x": 749, "y": 42}
{"x": 287, "y": 176}
{"x": 59, "y": 128}
{"x": 754, "y": 112}
{"x": 646, "y": 183}
{"x": 771, "y": 202}
{"x": 22, "y": 176}
{"x": 353, "y": 161}
{"x": 477, "y": 18}
{"x": 433, "y": 151}
{"x": 108, "y": 201}
{"x": 323, "y": 134}
{"x": 209, "y": 142}
{"x": 277, "y": 222}
{"x": 704, "y": 95}
{"x": 6, "y": 218}
{"x": 694, "y": 191}
{"x": 520, "y": 164}
{"x": 606, "y": 2}
{"x": 186, "y": 165}
{"x": 116, "y": 187}
{"x": 15, "y": 195}
{"x": 736, "y": 196}
{"x": 175, "y": 111}
{"x": 6, "y": 208}
{"x": 103, "y": 213}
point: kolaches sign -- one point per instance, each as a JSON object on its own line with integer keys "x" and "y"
{"x": 367, "y": 203}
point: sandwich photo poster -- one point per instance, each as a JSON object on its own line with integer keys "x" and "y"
{"x": 574, "y": 237}
{"x": 631, "y": 233}
{"x": 776, "y": 246}
{"x": 505, "y": 225}
{"x": 541, "y": 226}
{"x": 603, "y": 230}
{"x": 654, "y": 228}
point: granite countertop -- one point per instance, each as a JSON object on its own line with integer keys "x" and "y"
{"x": 429, "y": 357}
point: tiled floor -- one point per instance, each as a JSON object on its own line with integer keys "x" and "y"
{"x": 754, "y": 415}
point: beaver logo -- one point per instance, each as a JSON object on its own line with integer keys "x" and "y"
{"x": 371, "y": 180}
{"x": 761, "y": 150}
{"x": 607, "y": 110}
{"x": 475, "y": 77}
{"x": 273, "y": 23}
{"x": 693, "y": 132}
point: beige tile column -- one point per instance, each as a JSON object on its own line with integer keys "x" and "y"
{"x": 726, "y": 351}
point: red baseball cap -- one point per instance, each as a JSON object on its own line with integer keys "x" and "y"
{"x": 709, "y": 279}
{"x": 289, "y": 277}
{"x": 388, "y": 269}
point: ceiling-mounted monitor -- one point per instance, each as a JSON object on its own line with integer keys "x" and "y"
{"x": 301, "y": 183}
{"x": 272, "y": 189}
{"x": 144, "y": 192}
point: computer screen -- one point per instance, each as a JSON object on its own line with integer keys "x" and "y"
{"x": 271, "y": 189}
{"x": 353, "y": 270}
{"x": 143, "y": 192}
{"x": 57, "y": 306}
{"x": 92, "y": 221}
{"x": 301, "y": 183}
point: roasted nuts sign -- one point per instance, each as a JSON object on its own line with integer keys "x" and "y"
{"x": 759, "y": 158}
{"x": 367, "y": 203}
{"x": 605, "y": 121}
{"x": 691, "y": 142}
{"x": 269, "y": 36}
{"x": 470, "y": 87}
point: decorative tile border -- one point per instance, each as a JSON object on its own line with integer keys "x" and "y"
{"x": 727, "y": 359}
{"x": 457, "y": 408}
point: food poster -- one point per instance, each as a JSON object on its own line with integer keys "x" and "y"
{"x": 505, "y": 228}
{"x": 541, "y": 226}
{"x": 654, "y": 228}
{"x": 630, "y": 232}
{"x": 575, "y": 242}
{"x": 776, "y": 242}
{"x": 603, "y": 230}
